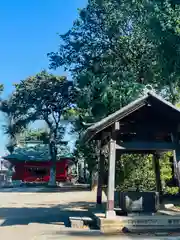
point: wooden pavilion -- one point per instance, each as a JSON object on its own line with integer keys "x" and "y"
{"x": 150, "y": 124}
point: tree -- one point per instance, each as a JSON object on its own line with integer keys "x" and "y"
{"x": 40, "y": 134}
{"x": 42, "y": 97}
{"x": 11, "y": 133}
{"x": 137, "y": 171}
{"x": 90, "y": 154}
{"x": 115, "y": 48}
{"x": 95, "y": 57}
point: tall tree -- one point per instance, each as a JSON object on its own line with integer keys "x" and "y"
{"x": 42, "y": 97}
{"x": 116, "y": 47}
{"x": 95, "y": 50}
{"x": 89, "y": 153}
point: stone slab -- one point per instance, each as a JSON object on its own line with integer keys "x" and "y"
{"x": 80, "y": 222}
{"x": 139, "y": 224}
{"x": 76, "y": 223}
{"x": 169, "y": 205}
{"x": 169, "y": 213}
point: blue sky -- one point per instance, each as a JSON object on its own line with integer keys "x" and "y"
{"x": 28, "y": 31}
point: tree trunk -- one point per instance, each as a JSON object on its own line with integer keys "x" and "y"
{"x": 90, "y": 179}
{"x": 52, "y": 179}
{"x": 85, "y": 172}
{"x": 53, "y": 153}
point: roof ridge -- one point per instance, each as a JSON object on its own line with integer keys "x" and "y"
{"x": 122, "y": 112}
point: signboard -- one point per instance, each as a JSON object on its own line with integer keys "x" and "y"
{"x": 151, "y": 221}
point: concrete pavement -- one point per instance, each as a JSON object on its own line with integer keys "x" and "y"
{"x": 29, "y": 214}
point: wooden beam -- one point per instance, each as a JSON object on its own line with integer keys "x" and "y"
{"x": 147, "y": 127}
{"x": 145, "y": 145}
{"x": 129, "y": 151}
{"x": 143, "y": 137}
{"x": 117, "y": 126}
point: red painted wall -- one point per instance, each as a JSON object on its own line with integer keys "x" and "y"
{"x": 23, "y": 173}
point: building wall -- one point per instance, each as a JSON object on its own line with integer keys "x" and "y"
{"x": 29, "y": 171}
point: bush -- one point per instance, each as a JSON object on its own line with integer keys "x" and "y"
{"x": 171, "y": 190}
{"x": 136, "y": 171}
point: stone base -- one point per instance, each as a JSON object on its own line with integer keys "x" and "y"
{"x": 80, "y": 222}
{"x": 76, "y": 223}
{"x": 110, "y": 214}
{"x": 137, "y": 224}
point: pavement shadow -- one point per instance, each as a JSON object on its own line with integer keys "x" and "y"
{"x": 55, "y": 214}
{"x": 45, "y": 189}
{"x": 97, "y": 234}
{"x": 80, "y": 233}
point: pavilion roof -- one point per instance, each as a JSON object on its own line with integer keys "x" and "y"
{"x": 156, "y": 102}
{"x": 38, "y": 152}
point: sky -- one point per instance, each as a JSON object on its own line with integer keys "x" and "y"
{"x": 28, "y": 31}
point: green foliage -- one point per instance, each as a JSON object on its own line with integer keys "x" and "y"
{"x": 93, "y": 51}
{"x": 172, "y": 190}
{"x": 40, "y": 97}
{"x": 64, "y": 149}
{"x": 89, "y": 152}
{"x": 115, "y": 48}
{"x": 11, "y": 130}
{"x": 135, "y": 171}
{"x": 166, "y": 174}
{"x": 166, "y": 167}
{"x": 44, "y": 97}
{"x": 40, "y": 134}
{"x": 1, "y": 88}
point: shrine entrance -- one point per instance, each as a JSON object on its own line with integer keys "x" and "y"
{"x": 149, "y": 125}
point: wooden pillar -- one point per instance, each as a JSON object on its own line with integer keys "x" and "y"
{"x": 157, "y": 173}
{"x": 176, "y": 155}
{"x": 176, "y": 158}
{"x": 110, "y": 213}
{"x": 100, "y": 178}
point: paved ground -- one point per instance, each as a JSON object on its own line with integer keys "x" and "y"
{"x": 26, "y": 214}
